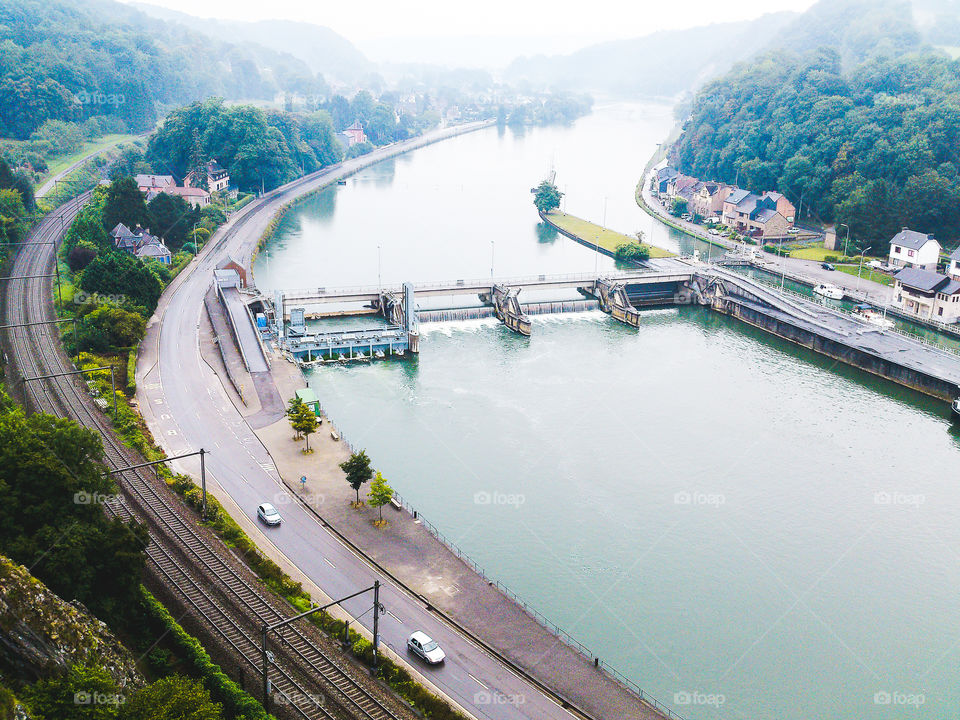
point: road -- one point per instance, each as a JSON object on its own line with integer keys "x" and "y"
{"x": 186, "y": 408}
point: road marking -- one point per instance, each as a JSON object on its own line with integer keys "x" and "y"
{"x": 329, "y": 563}
{"x": 394, "y": 617}
{"x": 479, "y": 682}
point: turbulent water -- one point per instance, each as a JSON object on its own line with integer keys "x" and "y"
{"x": 745, "y": 529}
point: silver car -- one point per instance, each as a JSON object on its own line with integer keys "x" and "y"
{"x": 425, "y": 647}
{"x": 268, "y": 514}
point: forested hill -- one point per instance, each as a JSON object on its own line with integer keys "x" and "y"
{"x": 69, "y": 61}
{"x": 875, "y": 145}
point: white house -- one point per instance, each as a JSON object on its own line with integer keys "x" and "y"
{"x": 913, "y": 249}
{"x": 953, "y": 267}
{"x": 928, "y": 294}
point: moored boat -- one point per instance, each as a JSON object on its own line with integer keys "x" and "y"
{"x": 828, "y": 291}
{"x": 956, "y": 408}
{"x": 873, "y": 316}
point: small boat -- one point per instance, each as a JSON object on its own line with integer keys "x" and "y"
{"x": 341, "y": 182}
{"x": 828, "y": 291}
{"x": 873, "y": 316}
{"x": 956, "y": 408}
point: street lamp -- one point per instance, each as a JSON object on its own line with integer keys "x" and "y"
{"x": 783, "y": 265}
{"x": 847, "y": 240}
{"x": 861, "y": 267}
{"x": 492, "y": 248}
{"x": 379, "y": 282}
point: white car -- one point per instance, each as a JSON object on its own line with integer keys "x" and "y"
{"x": 268, "y": 514}
{"x": 713, "y": 231}
{"x": 425, "y": 647}
{"x": 793, "y": 230}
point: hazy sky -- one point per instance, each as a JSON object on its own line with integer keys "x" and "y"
{"x": 595, "y": 20}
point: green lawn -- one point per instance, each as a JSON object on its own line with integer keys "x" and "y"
{"x": 818, "y": 253}
{"x": 867, "y": 274}
{"x": 63, "y": 162}
{"x": 605, "y": 238}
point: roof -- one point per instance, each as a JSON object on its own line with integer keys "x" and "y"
{"x": 911, "y": 239}
{"x": 307, "y": 395}
{"x": 154, "y": 180}
{"x": 765, "y": 214}
{"x": 955, "y": 255}
{"x": 737, "y": 196}
{"x": 925, "y": 280}
{"x": 356, "y": 126}
{"x": 153, "y": 249}
{"x": 186, "y": 191}
{"x": 231, "y": 275}
{"x": 665, "y": 173}
{"x": 227, "y": 261}
{"x": 121, "y": 231}
{"x": 775, "y": 196}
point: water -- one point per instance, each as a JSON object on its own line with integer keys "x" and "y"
{"x": 720, "y": 515}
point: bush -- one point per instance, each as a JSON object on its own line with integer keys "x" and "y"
{"x": 109, "y": 326}
{"x": 81, "y": 256}
{"x": 631, "y": 252}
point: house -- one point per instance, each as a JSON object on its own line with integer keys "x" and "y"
{"x": 217, "y": 177}
{"x": 124, "y": 238}
{"x": 154, "y": 249}
{"x": 226, "y": 278}
{"x": 681, "y": 186}
{"x": 914, "y": 250}
{"x": 309, "y": 398}
{"x": 708, "y": 199}
{"x": 660, "y": 179}
{"x": 754, "y": 215}
{"x": 140, "y": 243}
{"x": 953, "y": 265}
{"x": 197, "y": 197}
{"x": 928, "y": 294}
{"x": 156, "y": 183}
{"x": 228, "y": 263}
{"x": 782, "y": 205}
{"x": 355, "y": 134}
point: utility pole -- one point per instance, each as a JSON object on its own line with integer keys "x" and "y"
{"x": 861, "y": 267}
{"x": 376, "y": 621}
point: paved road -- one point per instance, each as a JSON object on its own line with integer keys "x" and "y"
{"x": 186, "y": 407}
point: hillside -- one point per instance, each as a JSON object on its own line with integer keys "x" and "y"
{"x": 319, "y": 48}
{"x": 875, "y": 145}
{"x": 70, "y": 61}
{"x": 665, "y": 63}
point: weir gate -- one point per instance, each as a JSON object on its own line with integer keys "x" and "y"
{"x": 618, "y": 294}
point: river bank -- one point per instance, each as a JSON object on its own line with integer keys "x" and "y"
{"x": 597, "y": 237}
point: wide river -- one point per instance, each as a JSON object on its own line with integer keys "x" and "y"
{"x": 745, "y": 529}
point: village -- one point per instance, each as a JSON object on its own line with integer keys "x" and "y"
{"x": 924, "y": 276}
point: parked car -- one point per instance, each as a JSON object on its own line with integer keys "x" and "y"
{"x": 268, "y": 514}
{"x": 827, "y": 266}
{"x": 793, "y": 230}
{"x": 425, "y": 647}
{"x": 713, "y": 231}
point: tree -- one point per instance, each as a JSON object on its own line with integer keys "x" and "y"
{"x": 73, "y": 696}
{"x": 631, "y": 252}
{"x": 173, "y": 218}
{"x": 81, "y": 256}
{"x": 294, "y": 407}
{"x": 305, "y": 422}
{"x": 119, "y": 273}
{"x": 125, "y": 204}
{"x": 171, "y": 698}
{"x": 380, "y": 494}
{"x": 358, "y": 471}
{"x": 547, "y": 197}
{"x": 111, "y": 327}
{"x": 678, "y": 207}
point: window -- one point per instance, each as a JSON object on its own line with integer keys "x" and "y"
{"x": 940, "y": 311}
{"x": 896, "y": 249}
{"x": 910, "y": 253}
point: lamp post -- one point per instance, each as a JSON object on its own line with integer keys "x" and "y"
{"x": 861, "y": 267}
{"x": 492, "y": 248}
{"x": 783, "y": 265}
{"x": 847, "y": 239}
{"x": 379, "y": 281}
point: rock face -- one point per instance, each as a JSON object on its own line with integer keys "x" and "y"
{"x": 41, "y": 635}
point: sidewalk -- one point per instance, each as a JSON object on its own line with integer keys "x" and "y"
{"x": 431, "y": 570}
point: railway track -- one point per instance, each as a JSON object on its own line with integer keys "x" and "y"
{"x": 309, "y": 680}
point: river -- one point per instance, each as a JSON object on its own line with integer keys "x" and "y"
{"x": 744, "y": 528}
